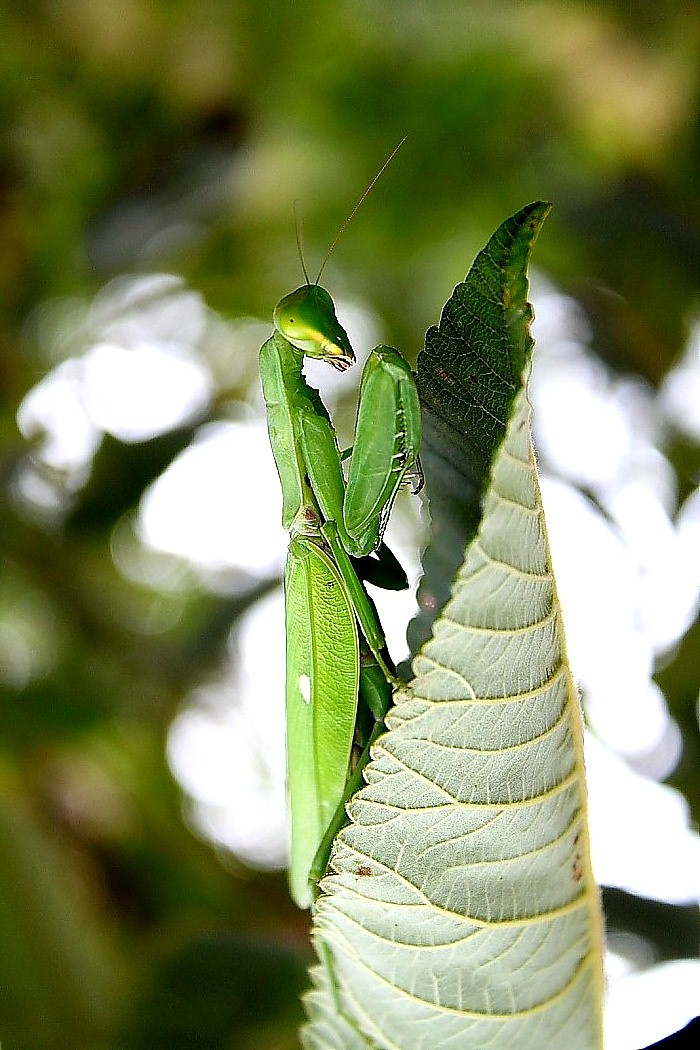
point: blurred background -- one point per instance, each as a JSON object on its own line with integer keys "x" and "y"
{"x": 150, "y": 155}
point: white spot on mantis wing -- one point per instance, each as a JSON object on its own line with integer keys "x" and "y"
{"x": 305, "y": 688}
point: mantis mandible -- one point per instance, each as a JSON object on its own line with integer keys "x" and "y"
{"x": 339, "y": 677}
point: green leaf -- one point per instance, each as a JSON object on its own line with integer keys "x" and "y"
{"x": 462, "y": 912}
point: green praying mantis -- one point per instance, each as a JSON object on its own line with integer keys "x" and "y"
{"x": 339, "y": 677}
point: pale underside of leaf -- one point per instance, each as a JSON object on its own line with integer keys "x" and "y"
{"x": 462, "y": 912}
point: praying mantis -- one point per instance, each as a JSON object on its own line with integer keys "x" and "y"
{"x": 339, "y": 675}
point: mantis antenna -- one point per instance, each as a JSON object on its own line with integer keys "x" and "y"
{"x": 300, "y": 239}
{"x": 306, "y": 317}
{"x": 354, "y": 211}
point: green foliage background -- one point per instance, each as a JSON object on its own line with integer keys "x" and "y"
{"x": 154, "y": 135}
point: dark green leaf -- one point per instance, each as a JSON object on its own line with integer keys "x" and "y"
{"x": 468, "y": 375}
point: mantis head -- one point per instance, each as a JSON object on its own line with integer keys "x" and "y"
{"x": 306, "y": 318}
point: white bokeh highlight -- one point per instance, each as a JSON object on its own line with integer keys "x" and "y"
{"x": 643, "y": 1007}
{"x": 218, "y": 504}
{"x": 163, "y": 386}
{"x": 227, "y": 748}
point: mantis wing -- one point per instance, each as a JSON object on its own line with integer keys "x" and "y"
{"x": 323, "y": 667}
